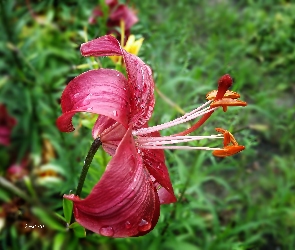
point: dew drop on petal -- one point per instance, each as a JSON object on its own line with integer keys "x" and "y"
{"x": 76, "y": 95}
{"x": 115, "y": 113}
{"x": 91, "y": 108}
{"x": 144, "y": 225}
{"x": 107, "y": 231}
{"x": 127, "y": 225}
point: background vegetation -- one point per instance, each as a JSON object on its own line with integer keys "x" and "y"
{"x": 241, "y": 202}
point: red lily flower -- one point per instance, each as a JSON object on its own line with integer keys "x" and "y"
{"x": 7, "y": 122}
{"x": 117, "y": 13}
{"x": 126, "y": 201}
{"x": 124, "y": 105}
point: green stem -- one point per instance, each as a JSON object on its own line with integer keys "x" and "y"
{"x": 94, "y": 147}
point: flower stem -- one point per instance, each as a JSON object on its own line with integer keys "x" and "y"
{"x": 94, "y": 147}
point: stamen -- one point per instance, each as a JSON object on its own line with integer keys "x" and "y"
{"x": 228, "y": 136}
{"x": 228, "y": 151}
{"x": 160, "y": 142}
{"x": 173, "y": 139}
{"x": 179, "y": 147}
{"x": 224, "y": 102}
{"x": 224, "y": 83}
{"x": 185, "y": 118}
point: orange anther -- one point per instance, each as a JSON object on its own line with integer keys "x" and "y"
{"x": 228, "y": 151}
{"x": 225, "y": 102}
{"x": 228, "y": 137}
{"x": 229, "y": 94}
{"x": 226, "y": 140}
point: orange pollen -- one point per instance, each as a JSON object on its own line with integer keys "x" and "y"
{"x": 225, "y": 102}
{"x": 228, "y": 149}
{"x": 228, "y": 94}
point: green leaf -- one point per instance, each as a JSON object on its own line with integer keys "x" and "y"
{"x": 68, "y": 209}
{"x": 58, "y": 241}
{"x": 78, "y": 230}
{"x": 48, "y": 219}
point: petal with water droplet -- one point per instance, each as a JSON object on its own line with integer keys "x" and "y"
{"x": 100, "y": 91}
{"x": 112, "y": 205}
{"x": 140, "y": 79}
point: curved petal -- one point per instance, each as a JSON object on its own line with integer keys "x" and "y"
{"x": 110, "y": 133}
{"x": 124, "y": 202}
{"x": 101, "y": 91}
{"x": 140, "y": 79}
{"x": 154, "y": 160}
{"x": 102, "y": 46}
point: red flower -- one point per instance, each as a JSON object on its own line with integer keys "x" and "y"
{"x": 117, "y": 13}
{"x": 126, "y": 201}
{"x": 7, "y": 122}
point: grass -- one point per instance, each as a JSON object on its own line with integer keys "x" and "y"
{"x": 237, "y": 203}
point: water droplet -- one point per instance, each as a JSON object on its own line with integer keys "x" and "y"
{"x": 127, "y": 224}
{"x": 118, "y": 74}
{"x": 107, "y": 231}
{"x": 115, "y": 113}
{"x": 76, "y": 95}
{"x": 90, "y": 108}
{"x": 144, "y": 225}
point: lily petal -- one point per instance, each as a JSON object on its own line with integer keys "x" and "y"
{"x": 101, "y": 91}
{"x": 140, "y": 80}
{"x": 129, "y": 209}
{"x": 154, "y": 160}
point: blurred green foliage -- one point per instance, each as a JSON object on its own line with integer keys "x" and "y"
{"x": 242, "y": 202}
